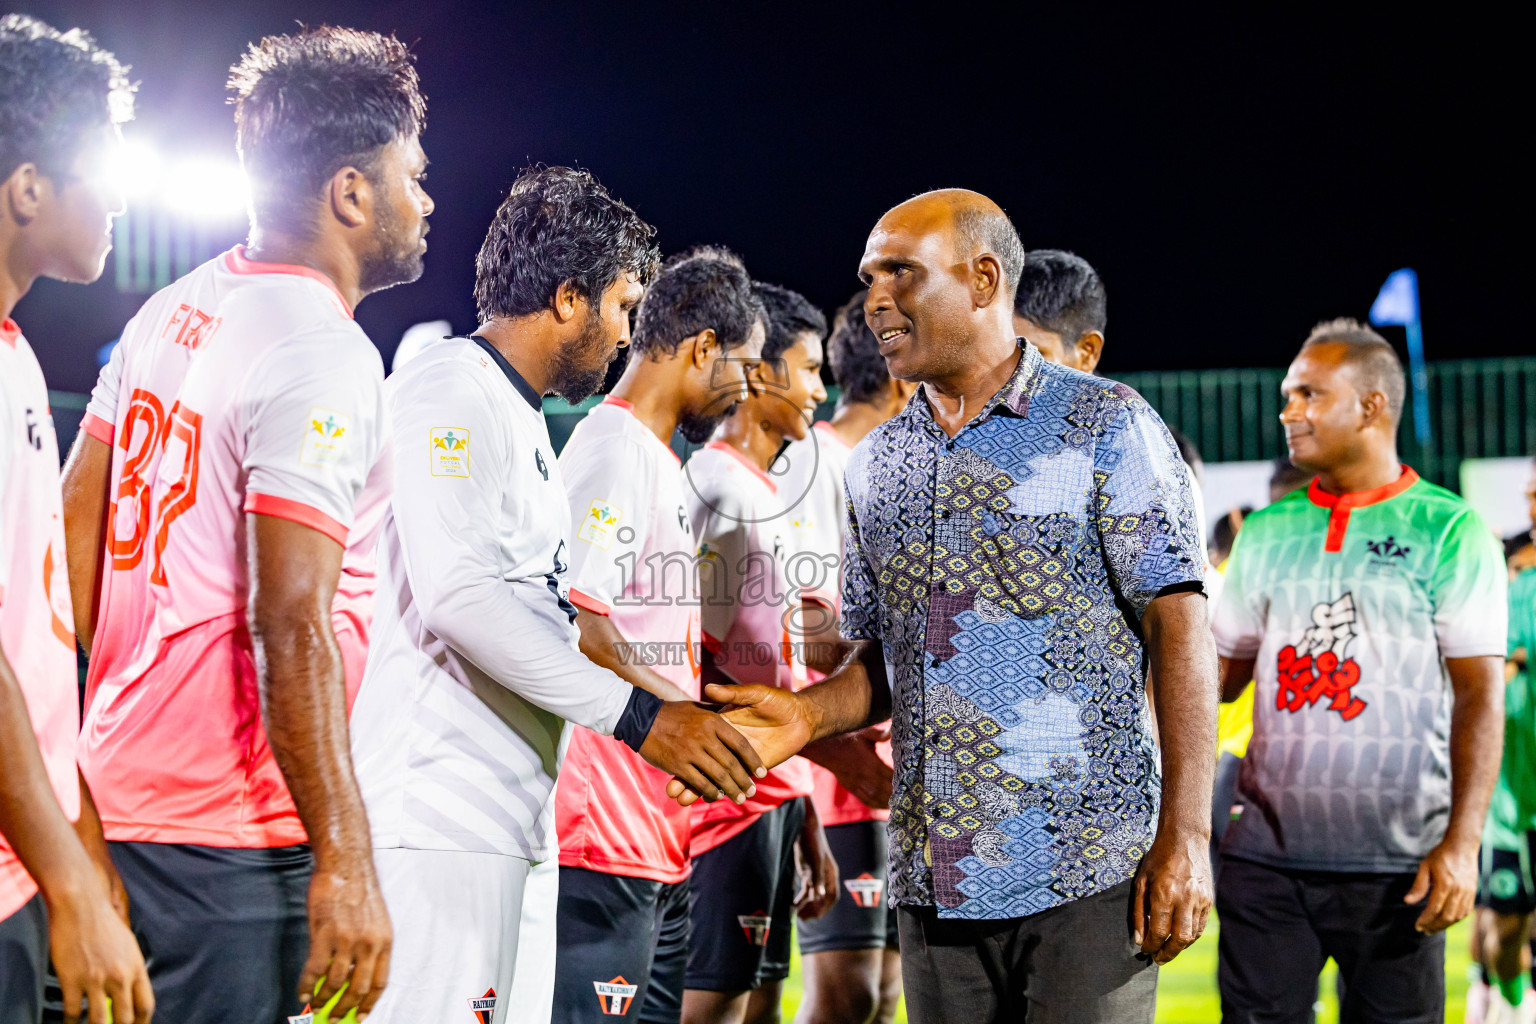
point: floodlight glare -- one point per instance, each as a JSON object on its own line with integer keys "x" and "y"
{"x": 135, "y": 168}
{"x": 208, "y": 189}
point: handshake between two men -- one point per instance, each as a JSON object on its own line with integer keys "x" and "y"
{"x": 716, "y": 751}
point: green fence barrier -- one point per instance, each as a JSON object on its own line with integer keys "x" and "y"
{"x": 1480, "y": 408}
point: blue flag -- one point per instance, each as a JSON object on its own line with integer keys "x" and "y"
{"x": 1398, "y": 303}
{"x": 1398, "y": 300}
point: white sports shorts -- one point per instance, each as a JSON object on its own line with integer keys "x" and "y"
{"x": 456, "y": 921}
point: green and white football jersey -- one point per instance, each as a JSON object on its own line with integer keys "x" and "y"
{"x": 1350, "y": 605}
{"x": 1513, "y": 811}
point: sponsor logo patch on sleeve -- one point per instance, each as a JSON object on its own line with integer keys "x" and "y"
{"x": 448, "y": 451}
{"x": 326, "y": 437}
{"x": 598, "y": 525}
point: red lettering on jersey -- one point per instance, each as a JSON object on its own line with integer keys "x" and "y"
{"x": 158, "y": 431}
{"x": 196, "y": 327}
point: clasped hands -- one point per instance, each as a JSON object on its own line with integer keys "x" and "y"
{"x": 713, "y": 755}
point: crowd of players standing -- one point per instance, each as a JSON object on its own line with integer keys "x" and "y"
{"x": 340, "y": 629}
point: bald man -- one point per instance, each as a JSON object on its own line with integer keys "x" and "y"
{"x": 1021, "y": 541}
{"x": 1369, "y": 611}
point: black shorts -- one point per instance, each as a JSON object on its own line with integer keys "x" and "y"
{"x": 225, "y": 932}
{"x": 859, "y": 919}
{"x": 1278, "y": 928}
{"x": 622, "y": 944}
{"x": 23, "y": 958}
{"x": 1504, "y": 878}
{"x": 743, "y": 902}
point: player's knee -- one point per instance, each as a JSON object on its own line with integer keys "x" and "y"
{"x": 846, "y": 999}
{"x": 1511, "y": 928}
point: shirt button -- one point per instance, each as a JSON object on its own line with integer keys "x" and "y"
{"x": 942, "y": 513}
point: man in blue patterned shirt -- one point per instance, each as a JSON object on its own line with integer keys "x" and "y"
{"x": 1021, "y": 546}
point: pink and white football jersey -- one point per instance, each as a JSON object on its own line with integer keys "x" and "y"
{"x": 37, "y": 630}
{"x": 633, "y": 561}
{"x": 812, "y": 482}
{"x": 748, "y": 564}
{"x": 243, "y": 387}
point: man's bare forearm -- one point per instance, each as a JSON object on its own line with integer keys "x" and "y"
{"x": 30, "y": 816}
{"x": 1477, "y": 744}
{"x": 303, "y": 699}
{"x": 1235, "y": 674}
{"x": 301, "y": 684}
{"x": 86, "y": 483}
{"x": 1183, "y": 658}
{"x": 602, "y": 643}
{"x": 854, "y": 696}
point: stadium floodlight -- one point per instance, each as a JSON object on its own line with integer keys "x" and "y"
{"x": 206, "y": 189}
{"x": 136, "y": 168}
{"x": 199, "y": 188}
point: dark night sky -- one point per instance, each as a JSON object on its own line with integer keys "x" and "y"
{"x": 1233, "y": 181}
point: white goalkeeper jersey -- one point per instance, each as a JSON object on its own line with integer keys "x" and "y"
{"x": 474, "y": 667}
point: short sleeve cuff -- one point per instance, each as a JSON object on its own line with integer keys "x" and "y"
{"x": 589, "y": 603}
{"x": 1486, "y": 649}
{"x": 98, "y": 428}
{"x": 297, "y": 512}
{"x": 1186, "y": 587}
{"x": 639, "y": 715}
{"x": 824, "y": 598}
{"x": 1242, "y": 649}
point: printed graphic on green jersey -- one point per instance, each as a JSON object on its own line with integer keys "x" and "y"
{"x": 1319, "y": 665}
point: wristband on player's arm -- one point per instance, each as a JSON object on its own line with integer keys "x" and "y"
{"x": 639, "y": 715}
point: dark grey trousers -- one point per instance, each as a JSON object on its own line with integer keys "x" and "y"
{"x": 1072, "y": 964}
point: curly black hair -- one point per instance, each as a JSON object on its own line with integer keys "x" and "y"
{"x": 311, "y": 103}
{"x": 55, "y": 88}
{"x": 558, "y": 225}
{"x": 1061, "y": 292}
{"x": 790, "y": 315}
{"x": 854, "y": 352}
{"x": 705, "y": 287}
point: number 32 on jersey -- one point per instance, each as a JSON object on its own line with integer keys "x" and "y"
{"x": 163, "y": 447}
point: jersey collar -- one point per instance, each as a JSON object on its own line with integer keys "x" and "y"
{"x": 1357, "y": 499}
{"x": 523, "y": 387}
{"x": 629, "y": 407}
{"x": 9, "y": 332}
{"x": 832, "y": 434}
{"x": 237, "y": 263}
{"x": 1340, "y": 505}
{"x": 721, "y": 446}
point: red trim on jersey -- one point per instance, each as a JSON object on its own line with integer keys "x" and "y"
{"x": 1342, "y": 504}
{"x": 821, "y": 597}
{"x": 236, "y": 261}
{"x": 296, "y": 512}
{"x": 629, "y": 407}
{"x": 98, "y": 428}
{"x": 764, "y": 477}
{"x": 9, "y": 331}
{"x": 591, "y": 604}
{"x": 827, "y": 428}
{"x": 709, "y": 643}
